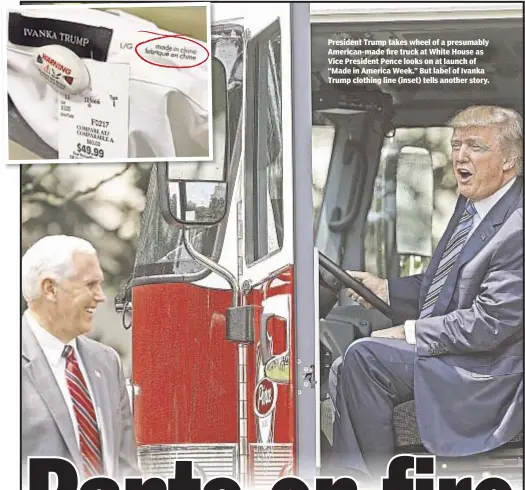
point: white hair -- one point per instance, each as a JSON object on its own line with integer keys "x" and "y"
{"x": 50, "y": 257}
{"x": 510, "y": 124}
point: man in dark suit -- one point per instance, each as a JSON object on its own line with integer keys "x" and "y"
{"x": 457, "y": 347}
{"x": 75, "y": 403}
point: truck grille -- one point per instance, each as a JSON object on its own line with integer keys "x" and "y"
{"x": 209, "y": 461}
{"x": 269, "y": 462}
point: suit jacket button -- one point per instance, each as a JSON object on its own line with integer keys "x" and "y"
{"x": 483, "y": 236}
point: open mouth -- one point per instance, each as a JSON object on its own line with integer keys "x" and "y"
{"x": 464, "y": 175}
{"x": 91, "y": 311}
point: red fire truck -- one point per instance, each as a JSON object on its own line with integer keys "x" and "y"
{"x": 235, "y": 297}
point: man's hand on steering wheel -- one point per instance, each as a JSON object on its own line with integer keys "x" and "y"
{"x": 332, "y": 272}
{"x": 376, "y": 284}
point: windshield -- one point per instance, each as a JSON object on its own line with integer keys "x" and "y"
{"x": 383, "y": 212}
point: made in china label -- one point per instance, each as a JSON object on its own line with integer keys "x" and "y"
{"x": 94, "y": 124}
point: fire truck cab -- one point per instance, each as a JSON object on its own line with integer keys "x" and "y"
{"x": 235, "y": 323}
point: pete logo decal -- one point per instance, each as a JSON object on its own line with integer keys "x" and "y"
{"x": 265, "y": 397}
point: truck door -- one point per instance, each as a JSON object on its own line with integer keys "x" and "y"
{"x": 276, "y": 248}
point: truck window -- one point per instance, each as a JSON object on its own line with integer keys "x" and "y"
{"x": 264, "y": 157}
{"x": 322, "y": 146}
{"x": 380, "y": 247}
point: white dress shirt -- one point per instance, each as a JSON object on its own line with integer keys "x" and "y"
{"x": 53, "y": 349}
{"x": 482, "y": 207}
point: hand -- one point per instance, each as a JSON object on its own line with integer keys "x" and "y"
{"x": 376, "y": 284}
{"x": 390, "y": 333}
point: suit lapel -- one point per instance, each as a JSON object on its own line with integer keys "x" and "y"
{"x": 479, "y": 238}
{"x": 98, "y": 375}
{"x": 35, "y": 364}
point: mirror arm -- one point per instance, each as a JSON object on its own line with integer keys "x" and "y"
{"x": 221, "y": 271}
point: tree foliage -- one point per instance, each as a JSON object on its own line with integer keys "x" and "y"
{"x": 101, "y": 203}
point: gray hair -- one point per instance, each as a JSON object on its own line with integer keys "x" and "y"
{"x": 509, "y": 122}
{"x": 50, "y": 257}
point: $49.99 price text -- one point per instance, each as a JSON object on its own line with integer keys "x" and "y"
{"x": 90, "y": 150}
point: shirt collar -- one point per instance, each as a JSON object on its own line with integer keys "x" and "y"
{"x": 483, "y": 206}
{"x": 51, "y": 345}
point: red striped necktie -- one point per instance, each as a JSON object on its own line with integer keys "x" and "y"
{"x": 90, "y": 446}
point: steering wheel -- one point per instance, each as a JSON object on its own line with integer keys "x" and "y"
{"x": 337, "y": 278}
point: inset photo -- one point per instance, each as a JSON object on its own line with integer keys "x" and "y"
{"x": 111, "y": 83}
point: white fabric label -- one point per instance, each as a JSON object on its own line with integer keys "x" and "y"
{"x": 94, "y": 124}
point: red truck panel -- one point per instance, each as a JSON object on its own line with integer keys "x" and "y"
{"x": 185, "y": 368}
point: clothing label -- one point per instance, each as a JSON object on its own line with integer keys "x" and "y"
{"x": 95, "y": 123}
{"x": 86, "y": 41}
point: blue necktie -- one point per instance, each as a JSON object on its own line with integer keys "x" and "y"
{"x": 452, "y": 251}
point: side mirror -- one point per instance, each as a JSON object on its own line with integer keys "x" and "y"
{"x": 194, "y": 193}
{"x": 414, "y": 202}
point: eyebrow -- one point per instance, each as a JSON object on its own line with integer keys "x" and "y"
{"x": 471, "y": 139}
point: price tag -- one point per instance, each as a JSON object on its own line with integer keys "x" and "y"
{"x": 94, "y": 124}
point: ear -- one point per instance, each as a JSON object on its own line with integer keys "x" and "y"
{"x": 48, "y": 289}
{"x": 509, "y": 163}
